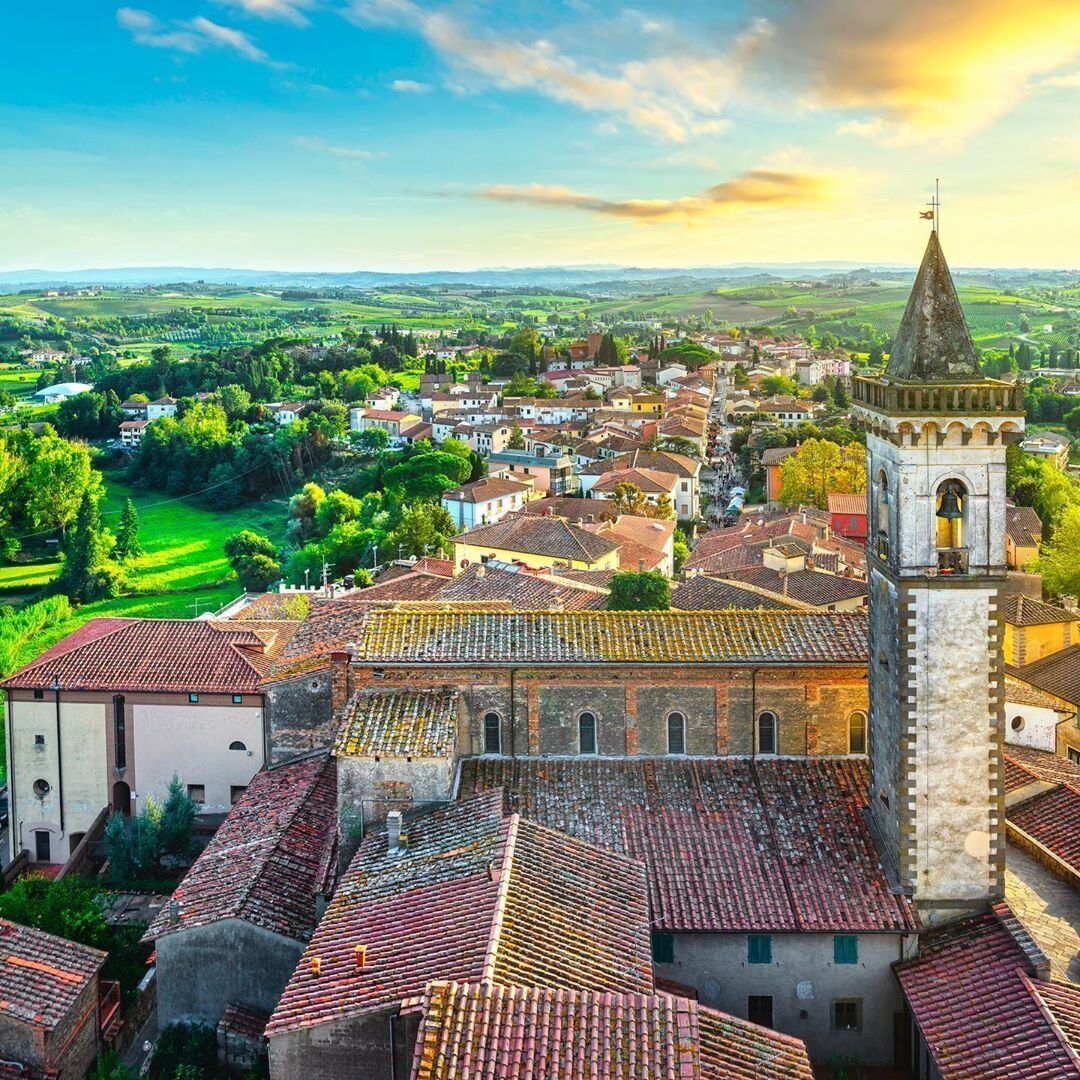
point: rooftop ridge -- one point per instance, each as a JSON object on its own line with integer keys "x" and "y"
{"x": 487, "y": 974}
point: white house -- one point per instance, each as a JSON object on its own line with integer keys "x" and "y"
{"x": 165, "y": 406}
{"x": 131, "y": 432}
{"x": 49, "y": 395}
{"x": 485, "y": 501}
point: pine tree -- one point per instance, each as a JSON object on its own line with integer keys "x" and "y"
{"x": 88, "y": 574}
{"x": 127, "y": 535}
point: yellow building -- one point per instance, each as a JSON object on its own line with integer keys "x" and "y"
{"x": 1023, "y": 534}
{"x": 1034, "y": 629}
{"x": 535, "y": 541}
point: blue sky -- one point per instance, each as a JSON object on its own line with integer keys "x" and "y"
{"x": 394, "y": 134}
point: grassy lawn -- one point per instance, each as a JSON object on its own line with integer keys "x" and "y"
{"x": 181, "y": 573}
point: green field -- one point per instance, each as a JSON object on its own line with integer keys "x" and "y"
{"x": 182, "y": 572}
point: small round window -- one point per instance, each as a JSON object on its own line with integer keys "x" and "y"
{"x": 42, "y": 788}
{"x": 1017, "y": 723}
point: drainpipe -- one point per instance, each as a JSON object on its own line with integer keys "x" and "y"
{"x": 513, "y": 717}
{"x": 59, "y": 756}
{"x": 753, "y": 714}
{"x": 14, "y": 833}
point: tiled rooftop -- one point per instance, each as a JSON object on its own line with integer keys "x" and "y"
{"x": 473, "y": 896}
{"x": 522, "y": 591}
{"x": 1041, "y": 765}
{"x": 507, "y": 1033}
{"x": 1023, "y": 611}
{"x": 590, "y": 637}
{"x": 1049, "y": 908}
{"x": 729, "y": 845}
{"x": 265, "y": 863}
{"x": 1023, "y": 526}
{"x": 1057, "y": 674}
{"x": 42, "y": 975}
{"x": 396, "y": 722}
{"x": 1052, "y": 819}
{"x": 159, "y": 656}
{"x": 806, "y": 586}
{"x": 701, "y": 593}
{"x": 529, "y": 534}
{"x": 972, "y": 994}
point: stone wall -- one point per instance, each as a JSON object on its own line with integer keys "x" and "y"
{"x": 203, "y": 968}
{"x": 538, "y": 708}
{"x": 299, "y": 716}
{"x": 361, "y": 1046}
{"x": 803, "y": 982}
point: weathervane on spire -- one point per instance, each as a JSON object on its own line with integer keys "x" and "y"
{"x": 934, "y": 213}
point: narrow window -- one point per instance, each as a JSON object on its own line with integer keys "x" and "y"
{"x": 676, "y": 733}
{"x": 193, "y": 698}
{"x": 1074, "y": 755}
{"x": 759, "y": 949}
{"x": 42, "y": 846}
{"x": 857, "y": 733}
{"x": 39, "y": 740}
{"x": 119, "y": 731}
{"x": 39, "y": 695}
{"x": 197, "y": 793}
{"x": 759, "y": 1009}
{"x": 767, "y": 733}
{"x": 492, "y": 733}
{"x": 237, "y": 745}
{"x": 587, "y": 733}
{"x": 845, "y": 949}
{"x": 846, "y": 1015}
{"x": 238, "y": 699}
{"x": 663, "y": 948}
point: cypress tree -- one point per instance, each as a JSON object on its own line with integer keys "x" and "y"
{"x": 127, "y": 535}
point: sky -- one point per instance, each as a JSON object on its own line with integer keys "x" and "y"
{"x": 401, "y": 135}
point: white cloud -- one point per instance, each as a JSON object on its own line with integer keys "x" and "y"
{"x": 307, "y": 142}
{"x": 410, "y": 86}
{"x": 146, "y": 29}
{"x": 190, "y": 37}
{"x": 1070, "y": 81}
{"x": 289, "y": 11}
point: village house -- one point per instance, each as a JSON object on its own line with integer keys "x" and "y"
{"x": 685, "y": 495}
{"x": 57, "y": 1011}
{"x": 93, "y": 722}
{"x": 535, "y": 541}
{"x": 550, "y": 474}
{"x": 485, "y": 501}
{"x": 163, "y": 406}
{"x": 1049, "y": 446}
{"x": 393, "y": 422}
{"x": 848, "y": 514}
{"x": 1023, "y": 535}
{"x": 131, "y": 432}
{"x": 786, "y": 411}
{"x": 234, "y": 929}
{"x": 287, "y": 412}
{"x": 771, "y": 460}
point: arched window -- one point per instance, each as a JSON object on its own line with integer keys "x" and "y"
{"x": 119, "y": 731}
{"x": 766, "y": 733}
{"x": 856, "y": 733}
{"x": 586, "y": 733}
{"x": 492, "y": 733}
{"x": 676, "y": 733}
{"x": 237, "y": 746}
{"x": 884, "y": 499}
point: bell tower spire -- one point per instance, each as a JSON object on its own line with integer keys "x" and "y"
{"x": 936, "y": 436}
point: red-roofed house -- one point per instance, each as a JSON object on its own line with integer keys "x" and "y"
{"x": 470, "y": 895}
{"x": 238, "y": 922}
{"x": 106, "y": 716}
{"x": 848, "y": 515}
{"x": 53, "y": 1008}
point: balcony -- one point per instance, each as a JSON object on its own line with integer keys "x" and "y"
{"x": 952, "y": 561}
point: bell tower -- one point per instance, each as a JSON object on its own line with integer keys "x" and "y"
{"x": 936, "y": 437}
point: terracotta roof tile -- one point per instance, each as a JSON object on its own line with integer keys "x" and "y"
{"x": 1043, "y": 765}
{"x": 529, "y": 534}
{"x": 42, "y": 975}
{"x": 847, "y": 505}
{"x": 808, "y": 586}
{"x": 156, "y": 656}
{"x": 729, "y": 845}
{"x": 589, "y": 637}
{"x": 1057, "y": 674}
{"x": 971, "y": 993}
{"x": 396, "y": 722}
{"x": 264, "y": 862}
{"x": 701, "y": 593}
{"x": 1023, "y": 526}
{"x": 474, "y": 895}
{"x": 508, "y": 1032}
{"x": 1052, "y": 819}
{"x": 522, "y": 591}
{"x": 1023, "y": 611}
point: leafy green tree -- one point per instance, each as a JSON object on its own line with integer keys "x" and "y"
{"x": 424, "y": 529}
{"x": 517, "y": 438}
{"x": 628, "y": 498}
{"x": 1059, "y": 560}
{"x": 235, "y": 400}
{"x": 70, "y": 908}
{"x": 639, "y": 591}
{"x": 818, "y": 469}
{"x": 373, "y": 440}
{"x": 58, "y": 477}
{"x": 428, "y": 475}
{"x": 1072, "y": 422}
{"x": 303, "y": 507}
{"x": 779, "y": 384}
{"x": 334, "y": 509}
{"x": 606, "y": 355}
{"x": 253, "y": 559}
{"x": 127, "y": 533}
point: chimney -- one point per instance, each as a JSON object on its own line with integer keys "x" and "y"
{"x": 174, "y": 912}
{"x": 339, "y": 679}
{"x": 641, "y": 566}
{"x": 361, "y": 957}
{"x": 393, "y": 832}
{"x": 480, "y": 571}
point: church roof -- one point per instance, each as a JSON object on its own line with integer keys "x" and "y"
{"x": 933, "y": 342}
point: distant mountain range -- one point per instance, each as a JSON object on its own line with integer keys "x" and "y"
{"x": 496, "y": 277}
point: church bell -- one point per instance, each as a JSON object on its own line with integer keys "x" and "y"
{"x": 950, "y": 506}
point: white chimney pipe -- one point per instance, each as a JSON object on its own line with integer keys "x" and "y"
{"x": 393, "y": 832}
